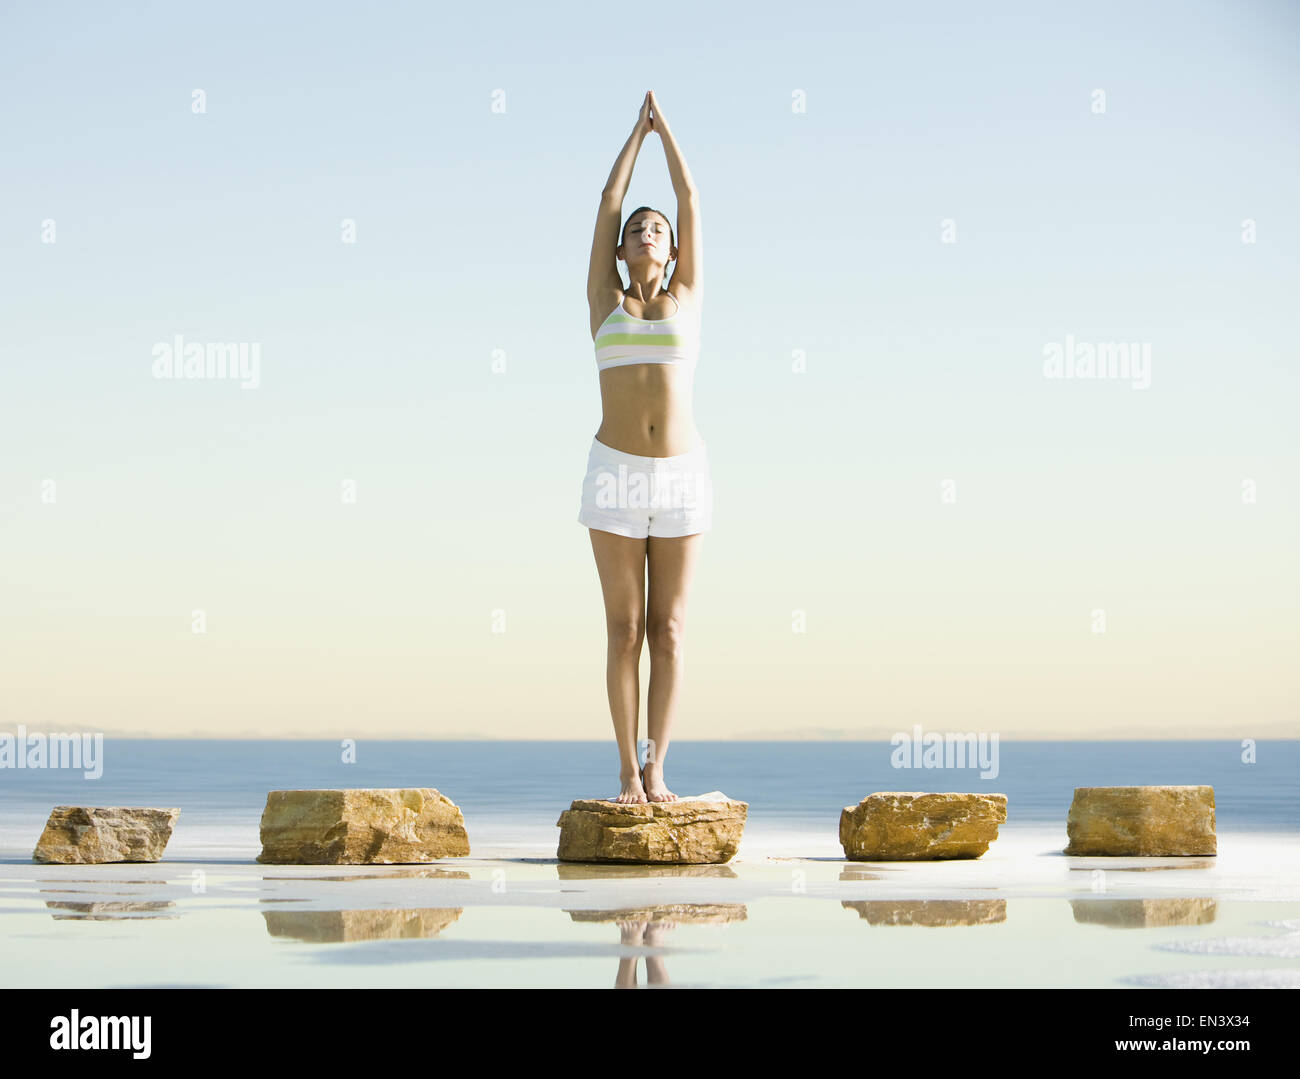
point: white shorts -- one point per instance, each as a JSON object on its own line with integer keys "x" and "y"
{"x": 647, "y": 496}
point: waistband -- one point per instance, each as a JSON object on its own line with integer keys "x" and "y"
{"x": 632, "y": 460}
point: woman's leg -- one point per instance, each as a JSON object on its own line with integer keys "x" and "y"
{"x": 672, "y": 566}
{"x": 620, "y": 561}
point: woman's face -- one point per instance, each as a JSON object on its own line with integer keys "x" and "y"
{"x": 646, "y": 239}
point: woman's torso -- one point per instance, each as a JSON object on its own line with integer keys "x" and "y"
{"x": 647, "y": 407}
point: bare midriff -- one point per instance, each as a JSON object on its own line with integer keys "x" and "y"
{"x": 647, "y": 410}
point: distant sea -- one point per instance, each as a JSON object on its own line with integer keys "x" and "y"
{"x": 521, "y": 787}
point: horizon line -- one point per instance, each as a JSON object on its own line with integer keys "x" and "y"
{"x": 204, "y": 737}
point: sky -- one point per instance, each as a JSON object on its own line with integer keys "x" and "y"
{"x": 907, "y": 212}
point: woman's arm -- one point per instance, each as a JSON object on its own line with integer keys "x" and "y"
{"x": 602, "y": 273}
{"x": 683, "y": 184}
{"x": 689, "y": 274}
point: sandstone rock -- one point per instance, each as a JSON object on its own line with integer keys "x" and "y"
{"x": 1153, "y": 821}
{"x": 909, "y": 826}
{"x": 90, "y": 834}
{"x": 371, "y": 827}
{"x": 704, "y": 829}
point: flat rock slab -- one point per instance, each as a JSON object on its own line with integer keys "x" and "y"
{"x": 893, "y": 826}
{"x": 1151, "y": 821}
{"x": 702, "y": 830}
{"x": 394, "y": 826}
{"x": 83, "y": 835}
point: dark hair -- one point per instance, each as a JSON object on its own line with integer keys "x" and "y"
{"x": 671, "y": 241}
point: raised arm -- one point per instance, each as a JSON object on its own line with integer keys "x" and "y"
{"x": 689, "y": 274}
{"x": 602, "y": 273}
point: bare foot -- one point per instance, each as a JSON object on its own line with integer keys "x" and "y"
{"x": 632, "y": 790}
{"x": 654, "y": 783}
{"x": 632, "y": 933}
{"x": 655, "y": 934}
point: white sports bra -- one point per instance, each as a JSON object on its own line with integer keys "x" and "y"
{"x": 625, "y": 339}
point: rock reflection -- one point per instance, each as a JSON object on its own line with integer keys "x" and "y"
{"x": 1144, "y": 913}
{"x": 1111, "y": 868}
{"x": 422, "y": 872}
{"x": 107, "y": 910}
{"x": 614, "y": 871}
{"x": 683, "y": 913}
{"x": 87, "y": 880}
{"x": 849, "y": 873}
{"x": 86, "y": 891}
{"x": 932, "y": 912}
{"x": 341, "y": 926}
{"x": 650, "y": 927}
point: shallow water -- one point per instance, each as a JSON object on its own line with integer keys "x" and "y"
{"x": 1023, "y": 915}
{"x": 788, "y": 910}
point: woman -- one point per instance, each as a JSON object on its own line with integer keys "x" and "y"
{"x": 646, "y": 499}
